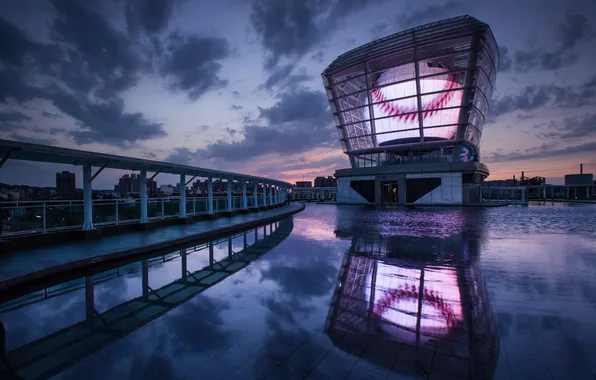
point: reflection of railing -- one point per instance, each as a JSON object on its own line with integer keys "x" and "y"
{"x": 49, "y": 355}
{"x": 41, "y": 216}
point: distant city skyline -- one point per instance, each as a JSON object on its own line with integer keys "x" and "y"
{"x": 235, "y": 85}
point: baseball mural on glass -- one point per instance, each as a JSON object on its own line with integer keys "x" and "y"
{"x": 395, "y": 103}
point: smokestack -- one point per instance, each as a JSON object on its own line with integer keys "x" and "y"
{"x": 522, "y": 177}
{"x": 581, "y": 168}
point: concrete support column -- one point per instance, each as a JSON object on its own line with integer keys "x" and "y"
{"x": 182, "y": 203}
{"x": 87, "y": 199}
{"x": 255, "y": 194}
{"x": 143, "y": 184}
{"x": 210, "y": 195}
{"x": 401, "y": 190}
{"x": 230, "y": 208}
{"x": 264, "y": 194}
{"x": 244, "y": 200}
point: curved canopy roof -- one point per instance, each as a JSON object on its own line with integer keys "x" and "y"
{"x": 403, "y": 40}
{"x": 15, "y": 150}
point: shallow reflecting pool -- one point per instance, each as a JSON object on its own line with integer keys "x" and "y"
{"x": 332, "y": 293}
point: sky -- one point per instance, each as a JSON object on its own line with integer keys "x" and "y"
{"x": 235, "y": 84}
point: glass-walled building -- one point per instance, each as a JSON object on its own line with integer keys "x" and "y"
{"x": 419, "y": 97}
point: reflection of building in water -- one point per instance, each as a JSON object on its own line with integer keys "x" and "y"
{"x": 424, "y": 297}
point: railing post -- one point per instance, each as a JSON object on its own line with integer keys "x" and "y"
{"x": 143, "y": 189}
{"x": 117, "y": 212}
{"x": 43, "y": 217}
{"x": 244, "y": 200}
{"x": 265, "y": 194}
{"x": 210, "y": 195}
{"x": 229, "y": 182}
{"x": 87, "y": 199}
{"x": 182, "y": 203}
{"x": 255, "y": 194}
{"x": 270, "y": 199}
{"x": 163, "y": 208}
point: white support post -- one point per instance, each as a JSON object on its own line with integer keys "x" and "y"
{"x": 182, "y": 205}
{"x": 271, "y": 195}
{"x": 264, "y": 194}
{"x": 255, "y": 194}
{"x": 244, "y": 200}
{"x": 87, "y": 199}
{"x": 144, "y": 196}
{"x": 230, "y": 208}
{"x": 210, "y": 195}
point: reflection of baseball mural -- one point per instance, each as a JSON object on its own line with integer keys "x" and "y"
{"x": 397, "y": 296}
{"x": 395, "y": 105}
{"x": 417, "y": 298}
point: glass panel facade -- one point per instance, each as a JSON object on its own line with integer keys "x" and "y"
{"x": 385, "y": 92}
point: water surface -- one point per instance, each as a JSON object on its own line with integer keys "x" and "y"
{"x": 354, "y": 292}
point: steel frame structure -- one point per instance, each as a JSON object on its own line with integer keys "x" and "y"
{"x": 464, "y": 46}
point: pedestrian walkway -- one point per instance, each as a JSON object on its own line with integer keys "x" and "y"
{"x": 23, "y": 262}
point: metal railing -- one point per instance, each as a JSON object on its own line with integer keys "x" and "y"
{"x": 21, "y": 217}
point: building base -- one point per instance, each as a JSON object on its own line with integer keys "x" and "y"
{"x": 415, "y": 184}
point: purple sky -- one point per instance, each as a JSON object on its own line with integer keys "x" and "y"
{"x": 235, "y": 84}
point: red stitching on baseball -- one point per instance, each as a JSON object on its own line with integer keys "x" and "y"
{"x": 430, "y": 297}
{"x": 429, "y": 110}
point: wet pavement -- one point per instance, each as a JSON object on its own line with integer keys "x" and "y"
{"x": 333, "y": 293}
{"x": 21, "y": 262}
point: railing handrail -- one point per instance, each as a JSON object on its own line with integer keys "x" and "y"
{"x": 114, "y": 200}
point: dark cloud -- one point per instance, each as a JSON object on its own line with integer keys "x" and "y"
{"x": 378, "y": 29}
{"x": 13, "y": 116}
{"x": 17, "y": 57}
{"x": 572, "y": 128}
{"x": 324, "y": 163}
{"x": 537, "y": 96}
{"x": 292, "y": 28}
{"x": 51, "y": 115}
{"x": 105, "y": 57}
{"x": 318, "y": 57}
{"x": 183, "y": 156}
{"x": 573, "y": 30}
{"x": 152, "y": 15}
{"x": 58, "y": 131}
{"x": 82, "y": 73}
{"x": 106, "y": 122}
{"x": 505, "y": 62}
{"x": 433, "y": 12}
{"x": 297, "y": 106}
{"x": 283, "y": 78}
{"x": 544, "y": 151}
{"x": 33, "y": 140}
{"x": 299, "y": 122}
{"x": 192, "y": 64}
{"x": 236, "y": 93}
{"x": 235, "y": 107}
{"x": 231, "y": 131}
